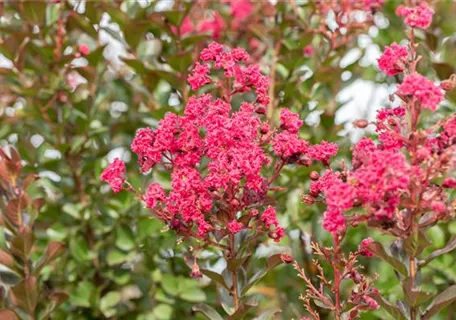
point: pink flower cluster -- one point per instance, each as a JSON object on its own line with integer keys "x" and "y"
{"x": 392, "y": 60}
{"x": 419, "y": 16}
{"x": 245, "y": 78}
{"x": 214, "y": 26}
{"x": 217, "y": 154}
{"x": 240, "y": 11}
{"x": 423, "y": 89}
{"x": 114, "y": 174}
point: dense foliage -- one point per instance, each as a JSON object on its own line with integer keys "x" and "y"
{"x": 251, "y": 159}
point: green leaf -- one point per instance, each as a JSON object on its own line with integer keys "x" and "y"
{"x": 34, "y": 12}
{"x": 25, "y": 295}
{"x": 163, "y": 311}
{"x": 193, "y": 295}
{"x": 149, "y": 227}
{"x": 22, "y": 244}
{"x": 215, "y": 277}
{"x": 181, "y": 61}
{"x": 416, "y": 243}
{"x": 53, "y": 251}
{"x": 124, "y": 238}
{"x": 413, "y": 296}
{"x": 234, "y": 264}
{"x": 208, "y": 311}
{"x": 174, "y": 17}
{"x": 96, "y": 56}
{"x": 245, "y": 305}
{"x": 268, "y": 314}
{"x": 116, "y": 257}
{"x": 80, "y": 250}
{"x": 9, "y": 276}
{"x": 136, "y": 30}
{"x": 391, "y": 309}
{"x": 444, "y": 70}
{"x": 82, "y": 295}
{"x": 170, "y": 284}
{"x": 440, "y": 302}
{"x": 108, "y": 302}
{"x": 272, "y": 262}
{"x": 450, "y": 246}
{"x": 77, "y": 21}
{"x": 380, "y": 252}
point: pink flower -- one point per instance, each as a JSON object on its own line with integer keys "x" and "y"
{"x": 277, "y": 234}
{"x": 186, "y": 27}
{"x": 340, "y": 195}
{"x": 269, "y": 217}
{"x": 235, "y": 226}
{"x": 84, "y": 49}
{"x": 363, "y": 247}
{"x": 362, "y": 151}
{"x": 390, "y": 140}
{"x": 323, "y": 183}
{"x": 203, "y": 228}
{"x": 241, "y": 9}
{"x": 449, "y": 183}
{"x": 392, "y": 60}
{"x": 419, "y": 16}
{"x": 114, "y": 174}
{"x": 240, "y": 54}
{"x": 323, "y": 151}
{"x": 290, "y": 121}
{"x": 154, "y": 194}
{"x": 371, "y": 303}
{"x": 334, "y": 222}
{"x": 438, "y": 206}
{"x": 373, "y": 4}
{"x": 381, "y": 179}
{"x": 422, "y": 89}
{"x": 211, "y": 51}
{"x": 199, "y": 76}
{"x": 287, "y": 145}
{"x": 213, "y": 26}
{"x": 308, "y": 51}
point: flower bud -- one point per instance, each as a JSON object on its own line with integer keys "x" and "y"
{"x": 314, "y": 193}
{"x": 261, "y": 110}
{"x": 286, "y": 258}
{"x": 361, "y": 123}
{"x": 234, "y": 203}
{"x": 304, "y": 161}
{"x": 196, "y": 273}
{"x": 314, "y": 175}
{"x": 175, "y": 224}
{"x": 84, "y": 49}
{"x": 448, "y": 84}
{"x": 307, "y": 199}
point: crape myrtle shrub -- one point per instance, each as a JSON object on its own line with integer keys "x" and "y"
{"x": 79, "y": 78}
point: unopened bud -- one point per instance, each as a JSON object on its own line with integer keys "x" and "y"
{"x": 261, "y": 110}
{"x": 196, "y": 273}
{"x": 360, "y": 123}
{"x": 392, "y": 122}
{"x": 286, "y": 258}
{"x": 314, "y": 193}
{"x": 234, "y": 203}
{"x": 175, "y": 224}
{"x": 307, "y": 199}
{"x": 314, "y": 175}
{"x": 304, "y": 161}
{"x": 448, "y": 85}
